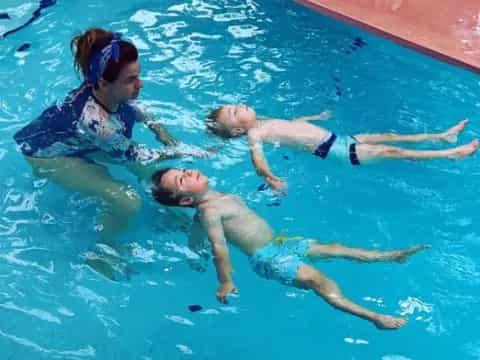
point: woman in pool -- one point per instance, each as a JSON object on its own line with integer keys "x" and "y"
{"x": 67, "y": 144}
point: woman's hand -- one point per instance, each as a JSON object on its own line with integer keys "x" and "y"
{"x": 165, "y": 138}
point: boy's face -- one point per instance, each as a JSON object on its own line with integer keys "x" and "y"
{"x": 237, "y": 118}
{"x": 185, "y": 182}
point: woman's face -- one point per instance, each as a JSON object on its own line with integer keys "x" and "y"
{"x": 128, "y": 84}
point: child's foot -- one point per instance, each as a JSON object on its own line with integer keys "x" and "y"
{"x": 451, "y": 134}
{"x": 385, "y": 322}
{"x": 403, "y": 255}
{"x": 464, "y": 150}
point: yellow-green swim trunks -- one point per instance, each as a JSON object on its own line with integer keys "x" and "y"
{"x": 280, "y": 259}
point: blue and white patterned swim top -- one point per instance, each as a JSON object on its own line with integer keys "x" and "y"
{"x": 81, "y": 125}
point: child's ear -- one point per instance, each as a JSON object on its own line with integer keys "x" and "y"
{"x": 212, "y": 126}
{"x": 237, "y": 131}
{"x": 186, "y": 201}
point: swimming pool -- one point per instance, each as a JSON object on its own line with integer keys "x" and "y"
{"x": 285, "y": 61}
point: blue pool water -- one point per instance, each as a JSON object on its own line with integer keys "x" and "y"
{"x": 285, "y": 61}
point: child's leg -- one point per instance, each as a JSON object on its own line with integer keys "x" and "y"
{"x": 380, "y": 151}
{"x": 318, "y": 250}
{"x": 310, "y": 278}
{"x": 449, "y": 136}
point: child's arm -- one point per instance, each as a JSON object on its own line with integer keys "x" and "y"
{"x": 213, "y": 225}
{"x": 261, "y": 164}
{"x": 324, "y": 115}
{"x": 198, "y": 245}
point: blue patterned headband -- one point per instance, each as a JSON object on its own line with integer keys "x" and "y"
{"x": 99, "y": 60}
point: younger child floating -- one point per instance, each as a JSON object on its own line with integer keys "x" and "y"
{"x": 224, "y": 217}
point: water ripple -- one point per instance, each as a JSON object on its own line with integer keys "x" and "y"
{"x": 38, "y": 313}
{"x": 13, "y": 258}
{"x": 88, "y": 351}
{"x": 179, "y": 320}
{"x": 458, "y": 267}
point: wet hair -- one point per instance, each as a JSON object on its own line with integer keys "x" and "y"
{"x": 85, "y": 45}
{"x": 215, "y": 126}
{"x": 162, "y": 195}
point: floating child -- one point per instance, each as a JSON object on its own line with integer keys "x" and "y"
{"x": 224, "y": 217}
{"x": 235, "y": 120}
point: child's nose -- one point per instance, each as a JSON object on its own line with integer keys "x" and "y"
{"x": 194, "y": 173}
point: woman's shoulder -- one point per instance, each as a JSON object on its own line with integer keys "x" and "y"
{"x": 79, "y": 94}
{"x": 64, "y": 114}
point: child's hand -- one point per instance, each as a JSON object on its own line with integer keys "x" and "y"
{"x": 224, "y": 290}
{"x": 324, "y": 115}
{"x": 277, "y": 184}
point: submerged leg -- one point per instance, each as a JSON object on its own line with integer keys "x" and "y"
{"x": 367, "y": 152}
{"x": 310, "y": 278}
{"x": 449, "y": 136}
{"x": 318, "y": 250}
{"x": 118, "y": 201}
{"x": 108, "y": 264}
{"x": 141, "y": 171}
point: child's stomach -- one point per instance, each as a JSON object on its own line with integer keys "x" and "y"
{"x": 300, "y": 135}
{"x": 248, "y": 233}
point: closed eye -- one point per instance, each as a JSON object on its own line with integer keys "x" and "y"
{"x": 182, "y": 176}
